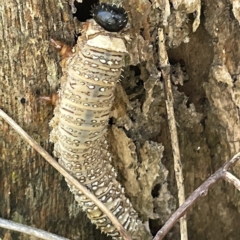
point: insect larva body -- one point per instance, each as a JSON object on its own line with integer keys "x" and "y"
{"x": 80, "y": 124}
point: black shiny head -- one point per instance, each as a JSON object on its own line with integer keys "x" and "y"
{"x": 110, "y": 17}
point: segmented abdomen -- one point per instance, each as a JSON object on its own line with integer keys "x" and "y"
{"x": 80, "y": 125}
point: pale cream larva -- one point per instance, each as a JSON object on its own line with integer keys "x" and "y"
{"x": 91, "y": 73}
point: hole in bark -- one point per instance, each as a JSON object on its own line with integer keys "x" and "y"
{"x": 154, "y": 226}
{"x": 136, "y": 69}
{"x": 171, "y": 5}
{"x": 235, "y": 77}
{"x": 188, "y": 103}
{"x": 155, "y": 191}
{"x": 112, "y": 121}
{"x": 23, "y": 100}
{"x": 84, "y": 9}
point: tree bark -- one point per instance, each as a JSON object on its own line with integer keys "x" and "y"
{"x": 204, "y": 63}
{"x": 32, "y": 192}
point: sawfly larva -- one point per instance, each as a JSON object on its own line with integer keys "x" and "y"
{"x": 91, "y": 71}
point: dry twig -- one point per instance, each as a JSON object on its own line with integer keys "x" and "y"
{"x": 165, "y": 69}
{"x": 63, "y": 172}
{"x": 199, "y": 192}
{"x": 29, "y": 230}
{"x": 232, "y": 179}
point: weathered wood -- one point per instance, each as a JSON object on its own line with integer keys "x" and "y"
{"x": 205, "y": 74}
{"x": 32, "y": 192}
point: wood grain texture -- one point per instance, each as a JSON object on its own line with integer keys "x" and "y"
{"x": 32, "y": 192}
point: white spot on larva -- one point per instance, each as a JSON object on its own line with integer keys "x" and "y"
{"x": 116, "y": 62}
{"x": 102, "y": 60}
{"x": 120, "y": 207}
{"x": 94, "y": 65}
{"x": 110, "y": 63}
{"x": 86, "y": 76}
{"x": 96, "y": 79}
{"x": 102, "y": 89}
{"x": 91, "y": 86}
{"x": 86, "y": 62}
{"x": 95, "y": 57}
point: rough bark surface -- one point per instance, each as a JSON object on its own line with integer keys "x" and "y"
{"x": 204, "y": 56}
{"x": 32, "y": 192}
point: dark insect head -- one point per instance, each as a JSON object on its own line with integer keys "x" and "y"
{"x": 110, "y": 17}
